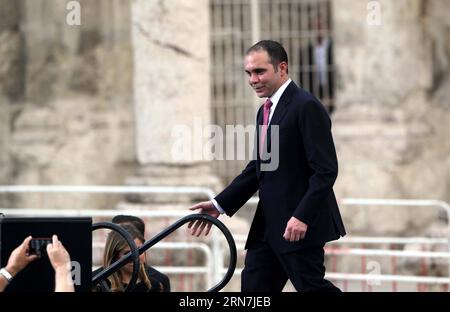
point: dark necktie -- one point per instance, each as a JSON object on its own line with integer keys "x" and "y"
{"x": 266, "y": 114}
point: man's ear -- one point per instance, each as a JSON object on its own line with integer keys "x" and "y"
{"x": 283, "y": 66}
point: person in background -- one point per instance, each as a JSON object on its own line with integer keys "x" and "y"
{"x": 116, "y": 247}
{"x": 316, "y": 65}
{"x": 140, "y": 225}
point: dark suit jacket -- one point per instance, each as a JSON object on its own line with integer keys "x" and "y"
{"x": 302, "y": 184}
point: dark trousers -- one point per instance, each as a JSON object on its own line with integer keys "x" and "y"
{"x": 267, "y": 271}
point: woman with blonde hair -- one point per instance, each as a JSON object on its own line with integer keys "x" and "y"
{"x": 116, "y": 247}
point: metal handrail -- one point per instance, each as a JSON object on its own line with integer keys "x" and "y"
{"x": 349, "y": 239}
{"x": 164, "y": 233}
{"x": 210, "y": 194}
{"x": 403, "y": 202}
{"x": 134, "y": 253}
{"x": 382, "y": 277}
{"x": 92, "y": 212}
{"x": 389, "y": 253}
{"x": 106, "y": 189}
{"x": 208, "y": 269}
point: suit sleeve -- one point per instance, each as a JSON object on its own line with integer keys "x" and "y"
{"x": 234, "y": 196}
{"x": 315, "y": 129}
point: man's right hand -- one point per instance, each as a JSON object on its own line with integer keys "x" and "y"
{"x": 199, "y": 225}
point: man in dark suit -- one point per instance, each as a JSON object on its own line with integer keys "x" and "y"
{"x": 316, "y": 71}
{"x": 297, "y": 212}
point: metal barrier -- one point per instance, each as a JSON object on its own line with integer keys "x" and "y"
{"x": 106, "y": 189}
{"x": 214, "y": 269}
{"x": 333, "y": 248}
{"x": 164, "y": 233}
{"x": 214, "y": 263}
{"x": 402, "y": 202}
{"x": 436, "y": 204}
{"x": 207, "y": 269}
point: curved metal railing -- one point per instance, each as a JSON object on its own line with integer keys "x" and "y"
{"x": 160, "y": 236}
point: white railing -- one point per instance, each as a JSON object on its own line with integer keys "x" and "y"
{"x": 214, "y": 254}
{"x": 402, "y": 203}
{"x": 207, "y": 269}
{"x": 216, "y": 266}
{"x": 441, "y": 205}
{"x": 105, "y": 189}
{"x": 212, "y": 268}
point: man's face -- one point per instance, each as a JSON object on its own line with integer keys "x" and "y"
{"x": 262, "y": 76}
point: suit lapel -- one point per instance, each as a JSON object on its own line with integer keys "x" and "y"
{"x": 280, "y": 110}
{"x": 285, "y": 99}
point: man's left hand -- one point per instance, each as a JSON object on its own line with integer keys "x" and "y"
{"x": 295, "y": 230}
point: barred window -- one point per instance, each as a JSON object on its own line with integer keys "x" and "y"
{"x": 303, "y": 27}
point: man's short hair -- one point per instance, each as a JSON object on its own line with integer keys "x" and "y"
{"x": 126, "y": 219}
{"x": 274, "y": 49}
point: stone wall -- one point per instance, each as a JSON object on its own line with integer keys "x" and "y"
{"x": 67, "y": 102}
{"x": 172, "y": 95}
{"x": 66, "y": 99}
{"x": 392, "y": 122}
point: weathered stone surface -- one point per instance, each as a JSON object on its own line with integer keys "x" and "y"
{"x": 171, "y": 78}
{"x": 69, "y": 109}
{"x": 68, "y": 142}
{"x": 391, "y": 129}
{"x": 9, "y": 14}
{"x": 74, "y": 124}
{"x": 5, "y": 169}
{"x": 11, "y": 64}
{"x": 171, "y": 90}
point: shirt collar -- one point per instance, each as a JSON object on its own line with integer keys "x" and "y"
{"x": 275, "y": 98}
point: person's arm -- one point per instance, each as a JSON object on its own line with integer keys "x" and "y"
{"x": 240, "y": 190}
{"x": 229, "y": 200}
{"x": 3, "y": 282}
{"x": 17, "y": 261}
{"x": 60, "y": 261}
{"x": 232, "y": 198}
{"x": 245, "y": 185}
{"x": 217, "y": 205}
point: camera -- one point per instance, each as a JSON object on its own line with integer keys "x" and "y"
{"x": 38, "y": 246}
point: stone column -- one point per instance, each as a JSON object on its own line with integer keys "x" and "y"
{"x": 11, "y": 85}
{"x": 384, "y": 125}
{"x": 171, "y": 92}
{"x": 66, "y": 114}
{"x": 11, "y": 52}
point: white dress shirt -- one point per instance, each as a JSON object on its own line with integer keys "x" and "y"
{"x": 321, "y": 53}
